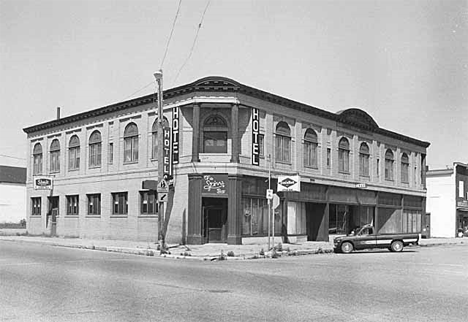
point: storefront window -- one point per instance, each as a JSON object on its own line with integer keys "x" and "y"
{"x": 338, "y": 219}
{"x": 255, "y": 219}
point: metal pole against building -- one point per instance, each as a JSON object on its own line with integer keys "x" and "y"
{"x": 161, "y": 218}
{"x": 269, "y": 201}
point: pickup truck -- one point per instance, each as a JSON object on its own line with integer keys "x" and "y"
{"x": 365, "y": 238}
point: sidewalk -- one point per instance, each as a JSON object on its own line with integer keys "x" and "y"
{"x": 200, "y": 252}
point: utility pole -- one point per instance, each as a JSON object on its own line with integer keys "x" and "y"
{"x": 269, "y": 201}
{"x": 161, "y": 218}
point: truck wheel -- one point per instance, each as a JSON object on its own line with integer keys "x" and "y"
{"x": 347, "y": 247}
{"x": 396, "y": 246}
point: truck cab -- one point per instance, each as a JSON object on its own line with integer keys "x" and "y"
{"x": 366, "y": 237}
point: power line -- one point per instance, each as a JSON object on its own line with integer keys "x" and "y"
{"x": 144, "y": 87}
{"x": 170, "y": 36}
{"x": 9, "y": 156}
{"x": 194, "y": 41}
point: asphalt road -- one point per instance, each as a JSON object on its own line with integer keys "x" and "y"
{"x": 44, "y": 283}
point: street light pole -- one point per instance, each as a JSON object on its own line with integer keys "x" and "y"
{"x": 161, "y": 218}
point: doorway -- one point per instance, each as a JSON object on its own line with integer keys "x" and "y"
{"x": 214, "y": 222}
{"x": 52, "y": 215}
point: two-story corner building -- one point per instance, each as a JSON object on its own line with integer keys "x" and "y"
{"x": 447, "y": 200}
{"x": 227, "y": 141}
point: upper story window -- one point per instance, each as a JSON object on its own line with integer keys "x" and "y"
{"x": 215, "y": 133}
{"x": 261, "y": 145}
{"x": 95, "y": 149}
{"x": 389, "y": 165}
{"x": 364, "y": 156}
{"x": 74, "y": 153}
{"x": 131, "y": 143}
{"x": 343, "y": 155}
{"x": 283, "y": 143}
{"x": 310, "y": 149}
{"x": 404, "y": 168}
{"x": 55, "y": 156}
{"x": 154, "y": 137}
{"x": 37, "y": 159}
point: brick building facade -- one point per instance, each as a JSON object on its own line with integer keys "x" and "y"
{"x": 226, "y": 138}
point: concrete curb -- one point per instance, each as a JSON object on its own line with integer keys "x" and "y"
{"x": 203, "y": 257}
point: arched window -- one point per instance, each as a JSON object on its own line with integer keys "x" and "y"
{"x": 154, "y": 136}
{"x": 55, "y": 156}
{"x": 389, "y": 165}
{"x": 364, "y": 160}
{"x": 95, "y": 149}
{"x": 37, "y": 159}
{"x": 215, "y": 133}
{"x": 343, "y": 155}
{"x": 310, "y": 148}
{"x": 74, "y": 153}
{"x": 131, "y": 143}
{"x": 404, "y": 168}
{"x": 283, "y": 142}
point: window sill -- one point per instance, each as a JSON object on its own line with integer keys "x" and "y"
{"x": 94, "y": 167}
{"x": 71, "y": 216}
{"x": 93, "y": 216}
{"x": 148, "y": 216}
{"x": 130, "y": 162}
{"x": 119, "y": 216}
{"x": 344, "y": 172}
{"x": 283, "y": 162}
{"x": 311, "y": 167}
{"x": 73, "y": 170}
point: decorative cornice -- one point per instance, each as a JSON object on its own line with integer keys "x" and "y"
{"x": 353, "y": 117}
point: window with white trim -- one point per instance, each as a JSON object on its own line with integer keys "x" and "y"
{"x": 283, "y": 143}
{"x": 74, "y": 153}
{"x": 131, "y": 143}
{"x": 95, "y": 149}
{"x": 55, "y": 156}
{"x": 343, "y": 155}
{"x": 310, "y": 149}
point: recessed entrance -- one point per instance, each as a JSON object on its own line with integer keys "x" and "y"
{"x": 214, "y": 221}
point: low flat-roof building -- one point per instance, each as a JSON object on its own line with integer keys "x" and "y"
{"x": 447, "y": 200}
{"x": 12, "y": 194}
{"x": 224, "y": 139}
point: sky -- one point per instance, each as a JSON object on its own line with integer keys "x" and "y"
{"x": 404, "y": 62}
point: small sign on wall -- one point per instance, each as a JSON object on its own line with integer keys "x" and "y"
{"x": 42, "y": 183}
{"x": 289, "y": 183}
{"x": 215, "y": 184}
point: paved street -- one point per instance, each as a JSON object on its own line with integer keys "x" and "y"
{"x": 44, "y": 283}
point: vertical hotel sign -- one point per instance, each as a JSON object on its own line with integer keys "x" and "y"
{"x": 175, "y": 135}
{"x": 255, "y": 135}
{"x": 167, "y": 168}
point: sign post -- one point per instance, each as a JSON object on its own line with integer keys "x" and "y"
{"x": 161, "y": 218}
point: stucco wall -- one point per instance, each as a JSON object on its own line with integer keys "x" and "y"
{"x": 12, "y": 203}
{"x": 441, "y": 205}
